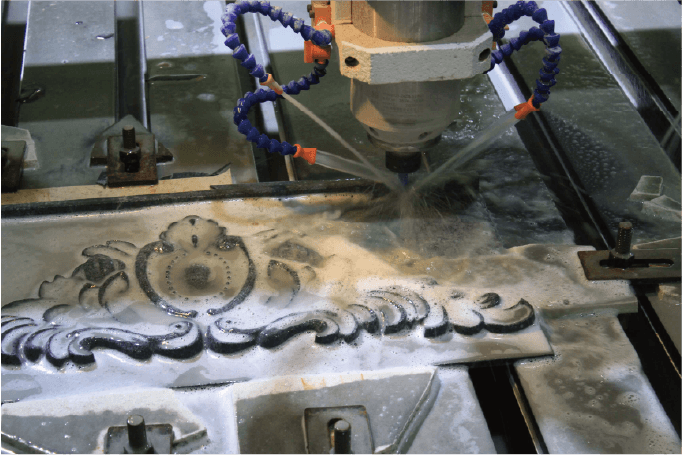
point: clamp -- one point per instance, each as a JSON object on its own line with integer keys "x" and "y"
{"x": 322, "y": 18}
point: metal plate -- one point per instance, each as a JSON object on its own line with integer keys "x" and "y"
{"x": 663, "y": 264}
{"x": 79, "y": 422}
{"x": 634, "y": 22}
{"x": 383, "y": 409}
{"x": 70, "y": 56}
{"x": 193, "y": 85}
{"x": 307, "y": 268}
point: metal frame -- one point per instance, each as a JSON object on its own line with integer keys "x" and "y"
{"x": 236, "y": 191}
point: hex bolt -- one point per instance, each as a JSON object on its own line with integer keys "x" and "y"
{"x": 624, "y": 238}
{"x": 620, "y": 256}
{"x": 130, "y": 154}
{"x": 341, "y": 437}
{"x": 129, "y": 137}
{"x": 137, "y": 435}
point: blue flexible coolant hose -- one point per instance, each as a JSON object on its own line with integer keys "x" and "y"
{"x": 545, "y": 33}
{"x": 317, "y": 37}
{"x": 323, "y": 37}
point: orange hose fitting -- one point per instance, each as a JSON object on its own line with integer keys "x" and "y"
{"x": 272, "y": 84}
{"x": 523, "y": 109}
{"x": 312, "y": 52}
{"x": 487, "y": 18}
{"x": 308, "y": 154}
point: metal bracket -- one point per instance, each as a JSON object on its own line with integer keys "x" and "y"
{"x": 645, "y": 265}
{"x": 136, "y": 437}
{"x": 621, "y": 264}
{"x": 345, "y": 429}
{"x": 118, "y": 173}
{"x": 151, "y": 153}
{"x": 12, "y": 165}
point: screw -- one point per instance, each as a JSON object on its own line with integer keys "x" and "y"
{"x": 624, "y": 237}
{"x": 341, "y": 437}
{"x": 129, "y": 137}
{"x": 130, "y": 153}
{"x": 620, "y": 256}
{"x": 137, "y": 435}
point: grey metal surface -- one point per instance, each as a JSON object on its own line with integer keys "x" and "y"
{"x": 455, "y": 423}
{"x": 666, "y": 303}
{"x": 77, "y": 422}
{"x": 131, "y": 67}
{"x": 14, "y": 18}
{"x": 193, "y": 88}
{"x": 644, "y": 92}
{"x": 393, "y": 401}
{"x": 70, "y": 55}
{"x": 604, "y": 138}
{"x": 651, "y": 30}
{"x": 407, "y": 21}
{"x": 593, "y": 396}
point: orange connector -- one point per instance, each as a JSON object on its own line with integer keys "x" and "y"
{"x": 312, "y": 52}
{"x": 487, "y": 7}
{"x": 272, "y": 84}
{"x": 488, "y": 16}
{"x": 322, "y": 17}
{"x": 523, "y": 109}
{"x": 307, "y": 154}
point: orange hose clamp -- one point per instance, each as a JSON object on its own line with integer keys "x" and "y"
{"x": 523, "y": 109}
{"x": 308, "y": 154}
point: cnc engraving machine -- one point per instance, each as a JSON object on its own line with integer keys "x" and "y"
{"x": 340, "y": 227}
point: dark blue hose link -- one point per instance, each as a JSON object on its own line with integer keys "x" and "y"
{"x": 545, "y": 34}
{"x": 248, "y": 61}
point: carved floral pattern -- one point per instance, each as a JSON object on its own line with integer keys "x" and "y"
{"x": 193, "y": 265}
